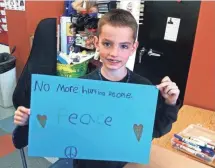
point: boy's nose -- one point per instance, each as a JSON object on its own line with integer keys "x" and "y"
{"x": 114, "y": 52}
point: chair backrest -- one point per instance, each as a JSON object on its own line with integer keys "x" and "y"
{"x": 42, "y": 60}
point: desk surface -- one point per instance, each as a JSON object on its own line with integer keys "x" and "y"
{"x": 163, "y": 158}
{"x": 188, "y": 115}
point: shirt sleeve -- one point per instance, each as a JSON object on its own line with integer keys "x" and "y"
{"x": 165, "y": 116}
{"x": 20, "y": 136}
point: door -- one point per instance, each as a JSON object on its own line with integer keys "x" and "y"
{"x": 157, "y": 57}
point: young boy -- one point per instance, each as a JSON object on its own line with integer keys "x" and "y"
{"x": 115, "y": 43}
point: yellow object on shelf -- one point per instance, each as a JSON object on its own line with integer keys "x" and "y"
{"x": 72, "y": 71}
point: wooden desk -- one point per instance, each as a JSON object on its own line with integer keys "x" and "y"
{"x": 188, "y": 115}
{"x": 163, "y": 158}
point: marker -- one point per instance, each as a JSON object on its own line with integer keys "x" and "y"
{"x": 204, "y": 144}
{"x": 193, "y": 142}
{"x": 208, "y": 141}
{"x": 185, "y": 148}
{"x": 197, "y": 154}
{"x": 212, "y": 144}
{"x": 186, "y": 140}
{"x": 207, "y": 151}
{"x": 196, "y": 148}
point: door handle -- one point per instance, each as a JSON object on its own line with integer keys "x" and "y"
{"x": 154, "y": 53}
{"x": 141, "y": 53}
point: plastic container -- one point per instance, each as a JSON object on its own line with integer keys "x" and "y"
{"x": 7, "y": 81}
{"x": 196, "y": 135}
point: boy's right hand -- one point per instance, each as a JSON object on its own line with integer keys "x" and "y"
{"x": 21, "y": 116}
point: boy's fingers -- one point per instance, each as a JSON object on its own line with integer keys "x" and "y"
{"x": 19, "y": 119}
{"x": 18, "y": 113}
{"x": 23, "y": 109}
{"x": 170, "y": 87}
{"x": 173, "y": 91}
{"x": 19, "y": 123}
{"x": 21, "y": 114}
{"x": 165, "y": 79}
{"x": 164, "y": 84}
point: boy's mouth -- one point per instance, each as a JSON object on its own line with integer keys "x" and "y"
{"x": 113, "y": 61}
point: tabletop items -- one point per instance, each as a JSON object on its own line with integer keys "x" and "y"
{"x": 196, "y": 141}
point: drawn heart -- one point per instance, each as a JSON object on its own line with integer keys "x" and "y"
{"x": 138, "y": 130}
{"x": 42, "y": 120}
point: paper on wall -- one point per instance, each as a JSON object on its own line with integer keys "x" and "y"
{"x": 131, "y": 6}
{"x": 3, "y": 12}
{"x": 4, "y": 27}
{"x": 18, "y": 5}
{"x": 172, "y": 27}
{"x": 2, "y": 4}
{"x": 4, "y": 20}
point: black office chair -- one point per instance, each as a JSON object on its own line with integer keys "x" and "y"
{"x": 42, "y": 60}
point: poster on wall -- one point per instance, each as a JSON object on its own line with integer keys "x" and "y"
{"x": 18, "y": 5}
{"x": 3, "y": 20}
{"x": 131, "y": 6}
{"x": 172, "y": 28}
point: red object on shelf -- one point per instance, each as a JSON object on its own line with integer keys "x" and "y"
{"x": 92, "y": 30}
{"x": 84, "y": 12}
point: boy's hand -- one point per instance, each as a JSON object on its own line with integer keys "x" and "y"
{"x": 21, "y": 116}
{"x": 169, "y": 90}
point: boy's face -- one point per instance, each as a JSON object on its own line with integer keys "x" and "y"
{"x": 115, "y": 45}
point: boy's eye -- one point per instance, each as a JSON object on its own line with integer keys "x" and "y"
{"x": 106, "y": 44}
{"x": 123, "y": 46}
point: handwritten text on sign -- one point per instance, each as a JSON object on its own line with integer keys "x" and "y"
{"x": 88, "y": 119}
{"x": 41, "y": 86}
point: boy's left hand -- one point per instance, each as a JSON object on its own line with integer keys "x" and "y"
{"x": 169, "y": 90}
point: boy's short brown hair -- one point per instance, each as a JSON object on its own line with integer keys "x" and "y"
{"x": 119, "y": 18}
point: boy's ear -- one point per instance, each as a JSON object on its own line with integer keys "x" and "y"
{"x": 96, "y": 42}
{"x": 135, "y": 46}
